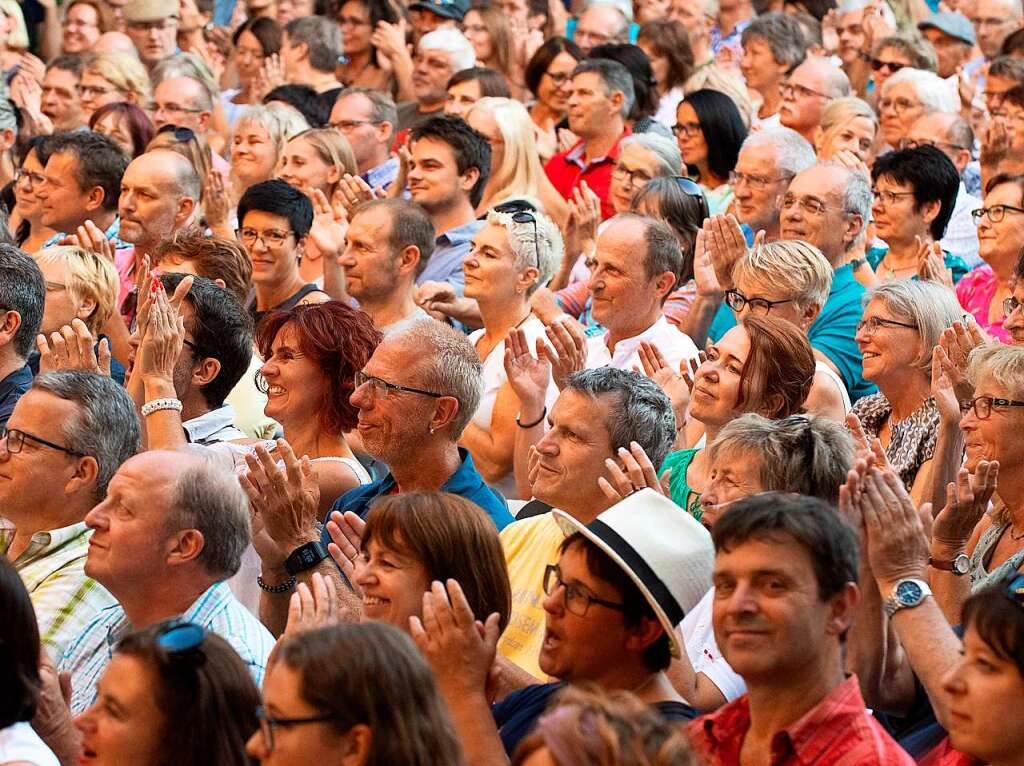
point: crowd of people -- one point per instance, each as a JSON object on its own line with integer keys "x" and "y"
{"x": 475, "y": 382}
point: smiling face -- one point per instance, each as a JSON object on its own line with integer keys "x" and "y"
{"x": 734, "y": 475}
{"x": 623, "y": 295}
{"x": 829, "y": 228}
{"x": 572, "y": 454}
{"x": 274, "y": 265}
{"x": 716, "y": 385}
{"x": 985, "y": 718}
{"x": 296, "y": 385}
{"x": 304, "y": 168}
{"x": 97, "y": 91}
{"x": 855, "y": 135}
{"x": 889, "y": 351}
{"x": 475, "y": 30}
{"x": 556, "y": 85}
{"x": 393, "y": 583}
{"x": 125, "y": 724}
{"x": 634, "y": 169}
{"x": 769, "y": 619}
{"x": 760, "y": 69}
{"x": 997, "y": 437}
{"x": 490, "y": 268}
{"x": 356, "y": 27}
{"x": 1001, "y": 243}
{"x": 591, "y": 108}
{"x": 253, "y": 155}
{"x": 434, "y": 180}
{"x": 27, "y": 204}
{"x": 432, "y": 68}
{"x": 81, "y": 29}
{"x": 1014, "y": 322}
{"x": 751, "y": 288}
{"x": 461, "y": 97}
{"x": 115, "y": 126}
{"x": 690, "y": 137}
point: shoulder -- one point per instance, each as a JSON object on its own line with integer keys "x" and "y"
{"x": 358, "y": 498}
{"x": 529, "y": 531}
{"x": 530, "y": 697}
{"x": 314, "y": 296}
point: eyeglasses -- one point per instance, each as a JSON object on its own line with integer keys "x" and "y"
{"x": 914, "y": 143}
{"x": 887, "y": 197}
{"x": 559, "y": 78}
{"x": 995, "y": 214}
{"x": 736, "y": 300}
{"x": 269, "y": 723}
{"x": 271, "y": 238}
{"x": 1010, "y": 305}
{"x": 687, "y": 129}
{"x": 148, "y": 26}
{"x": 184, "y": 135}
{"x": 893, "y": 66}
{"x": 94, "y": 90}
{"x": 756, "y": 182}
{"x": 801, "y": 90}
{"x": 14, "y": 442}
{"x": 577, "y": 601}
{"x": 810, "y": 205}
{"x": 522, "y": 212}
{"x": 383, "y": 390}
{"x": 899, "y": 105}
{"x": 636, "y": 177}
{"x": 871, "y": 324}
{"x": 32, "y": 179}
{"x": 156, "y": 108}
{"x": 346, "y": 125}
{"x": 982, "y": 405}
{"x": 691, "y": 188}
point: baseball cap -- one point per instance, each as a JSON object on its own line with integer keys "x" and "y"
{"x": 952, "y": 24}
{"x": 449, "y": 9}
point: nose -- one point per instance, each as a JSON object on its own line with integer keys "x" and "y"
{"x": 554, "y": 603}
{"x": 548, "y": 444}
{"x": 95, "y": 518}
{"x": 742, "y": 600}
{"x": 256, "y": 747}
{"x": 361, "y": 397}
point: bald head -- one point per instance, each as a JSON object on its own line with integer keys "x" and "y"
{"x": 808, "y": 91}
{"x": 114, "y": 42}
{"x": 950, "y": 133}
{"x": 159, "y": 195}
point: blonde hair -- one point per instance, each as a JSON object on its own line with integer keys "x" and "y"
{"x": 281, "y": 122}
{"x": 520, "y": 173}
{"x": 841, "y": 111}
{"x": 792, "y": 267}
{"x": 89, "y": 276}
{"x": 332, "y": 147}
{"x": 124, "y": 71}
{"x": 1001, "y": 363}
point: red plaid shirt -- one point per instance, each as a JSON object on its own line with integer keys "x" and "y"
{"x": 567, "y": 169}
{"x": 838, "y": 731}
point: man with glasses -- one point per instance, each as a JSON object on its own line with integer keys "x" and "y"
{"x": 993, "y": 21}
{"x": 152, "y": 26}
{"x": 953, "y": 39}
{"x": 184, "y": 102}
{"x": 601, "y": 22}
{"x": 367, "y": 118}
{"x": 61, "y": 99}
{"x": 80, "y": 28}
{"x": 807, "y": 92}
{"x": 65, "y": 439}
{"x": 22, "y": 298}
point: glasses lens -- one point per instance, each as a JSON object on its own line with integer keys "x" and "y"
{"x": 734, "y": 300}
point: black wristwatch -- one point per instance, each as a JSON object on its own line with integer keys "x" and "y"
{"x": 305, "y": 557}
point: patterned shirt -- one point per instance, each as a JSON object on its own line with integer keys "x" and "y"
{"x": 911, "y": 440}
{"x": 217, "y": 610}
{"x": 838, "y": 731}
{"x": 53, "y": 570}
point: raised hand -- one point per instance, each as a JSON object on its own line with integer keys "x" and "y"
{"x": 956, "y": 344}
{"x": 636, "y": 472}
{"x": 353, "y": 191}
{"x": 436, "y": 298}
{"x": 528, "y": 375}
{"x": 569, "y": 343}
{"x": 897, "y": 546}
{"x": 931, "y": 265}
{"x": 346, "y": 531}
{"x": 330, "y": 226}
{"x": 271, "y": 75}
{"x": 313, "y": 607}
{"x": 725, "y": 243}
{"x": 966, "y": 503}
{"x": 677, "y": 385}
{"x": 73, "y": 348}
{"x": 216, "y": 204}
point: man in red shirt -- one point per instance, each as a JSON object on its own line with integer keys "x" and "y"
{"x": 602, "y": 95}
{"x": 785, "y": 591}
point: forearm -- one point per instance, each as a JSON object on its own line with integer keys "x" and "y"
{"x": 50, "y": 44}
{"x": 932, "y": 649}
{"x": 950, "y": 591}
{"x": 946, "y": 461}
{"x": 402, "y": 66}
{"x": 561, "y": 278}
{"x": 529, "y": 412}
{"x": 120, "y": 339}
{"x": 696, "y": 688}
{"x": 334, "y": 279}
{"x": 492, "y": 455}
{"x": 510, "y": 678}
{"x": 64, "y": 740}
{"x": 474, "y": 723}
{"x": 465, "y": 310}
{"x": 274, "y": 606}
{"x": 698, "y": 320}
{"x": 163, "y": 427}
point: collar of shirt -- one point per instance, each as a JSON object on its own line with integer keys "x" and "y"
{"x": 464, "y": 479}
{"x": 383, "y": 175}
{"x": 625, "y": 348}
{"x": 460, "y": 235}
{"x": 17, "y": 382}
{"x": 112, "y": 234}
{"x": 214, "y": 426}
{"x": 44, "y": 542}
{"x": 575, "y": 154}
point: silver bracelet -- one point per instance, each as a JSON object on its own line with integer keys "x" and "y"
{"x": 161, "y": 404}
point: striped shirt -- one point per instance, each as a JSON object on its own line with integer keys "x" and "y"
{"x": 217, "y": 610}
{"x": 53, "y": 570}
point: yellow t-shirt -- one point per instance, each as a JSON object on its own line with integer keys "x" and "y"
{"x": 530, "y": 545}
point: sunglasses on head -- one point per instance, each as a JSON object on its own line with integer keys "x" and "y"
{"x": 180, "y": 134}
{"x": 522, "y": 212}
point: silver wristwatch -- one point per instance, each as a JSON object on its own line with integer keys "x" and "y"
{"x": 906, "y": 595}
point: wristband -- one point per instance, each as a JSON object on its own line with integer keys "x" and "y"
{"x": 537, "y": 422}
{"x": 161, "y": 404}
{"x": 305, "y": 557}
{"x": 284, "y": 587}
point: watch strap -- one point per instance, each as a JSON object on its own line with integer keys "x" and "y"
{"x": 950, "y": 565}
{"x": 305, "y": 557}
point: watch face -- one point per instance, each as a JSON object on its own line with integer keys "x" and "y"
{"x": 961, "y": 564}
{"x": 909, "y": 593}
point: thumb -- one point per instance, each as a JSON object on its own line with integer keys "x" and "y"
{"x": 666, "y": 479}
{"x": 104, "y": 357}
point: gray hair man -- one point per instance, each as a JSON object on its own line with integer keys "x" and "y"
{"x": 183, "y": 102}
{"x": 807, "y": 92}
{"x": 310, "y": 52}
{"x": 22, "y": 298}
{"x": 439, "y": 55}
{"x": 367, "y": 118}
{"x": 603, "y": 21}
{"x": 170, "y": 532}
{"x": 767, "y": 162}
{"x": 67, "y": 437}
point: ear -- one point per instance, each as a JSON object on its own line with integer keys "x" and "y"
{"x": 184, "y": 547}
{"x": 469, "y": 178}
{"x": 841, "y": 607}
{"x": 186, "y": 207}
{"x": 204, "y": 121}
{"x": 220, "y": 283}
{"x": 131, "y": 97}
{"x": 94, "y": 200}
{"x": 7, "y": 138}
{"x": 930, "y": 210}
{"x": 527, "y": 278}
{"x": 333, "y": 175}
{"x": 85, "y": 310}
{"x": 854, "y": 226}
{"x": 84, "y": 476}
{"x": 810, "y": 313}
{"x": 963, "y": 158}
{"x": 355, "y": 748}
{"x": 644, "y": 634}
{"x": 819, "y": 139}
{"x": 664, "y": 283}
{"x": 9, "y": 326}
{"x": 408, "y": 259}
{"x": 205, "y": 371}
{"x": 302, "y": 50}
{"x": 772, "y": 406}
{"x": 617, "y": 97}
{"x": 445, "y": 410}
{"x": 384, "y": 130}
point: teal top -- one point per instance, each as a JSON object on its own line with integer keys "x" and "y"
{"x": 954, "y": 263}
{"x": 679, "y": 490}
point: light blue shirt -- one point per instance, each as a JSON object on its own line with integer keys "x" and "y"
{"x": 383, "y": 175}
{"x": 217, "y": 610}
{"x": 113, "y": 234}
{"x": 450, "y": 250}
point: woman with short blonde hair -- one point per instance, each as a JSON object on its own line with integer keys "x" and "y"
{"x": 112, "y": 77}
{"x": 257, "y": 142}
{"x": 847, "y": 124}
{"x": 90, "y": 282}
{"x": 317, "y": 158}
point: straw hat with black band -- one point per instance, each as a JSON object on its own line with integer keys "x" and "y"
{"x": 667, "y": 554}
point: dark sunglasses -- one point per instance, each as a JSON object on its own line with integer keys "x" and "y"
{"x": 878, "y": 65}
{"x": 184, "y": 135}
{"x": 691, "y": 188}
{"x": 523, "y": 212}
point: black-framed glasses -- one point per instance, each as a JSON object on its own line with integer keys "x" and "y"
{"x": 271, "y": 238}
{"x": 889, "y": 198}
{"x": 893, "y": 66}
{"x": 577, "y": 601}
{"x": 871, "y": 324}
{"x": 384, "y": 390}
{"x": 995, "y": 214}
{"x": 523, "y": 212}
{"x": 268, "y": 723}
{"x": 736, "y": 300}
{"x": 637, "y": 178}
{"x": 1010, "y": 305}
{"x": 33, "y": 179}
{"x": 687, "y": 129}
{"x": 181, "y": 134}
{"x": 982, "y": 405}
{"x": 15, "y": 441}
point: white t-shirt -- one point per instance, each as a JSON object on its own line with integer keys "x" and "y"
{"x": 674, "y": 345}
{"x": 702, "y": 649}
{"x": 20, "y": 743}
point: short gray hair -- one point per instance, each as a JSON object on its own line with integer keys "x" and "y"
{"x": 642, "y": 414}
{"x": 187, "y": 65}
{"x": 105, "y": 426}
{"x": 932, "y": 91}
{"x": 545, "y": 251}
{"x": 793, "y": 153}
{"x": 208, "y": 498}
{"x": 454, "y": 43}
{"x": 999, "y": 362}
{"x": 382, "y": 106}
{"x": 857, "y": 198}
{"x": 801, "y": 454}
{"x": 782, "y": 33}
{"x": 665, "y": 149}
{"x": 793, "y": 267}
{"x": 614, "y": 76}
{"x": 322, "y": 38}
{"x": 927, "y": 305}
{"x": 447, "y": 364}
